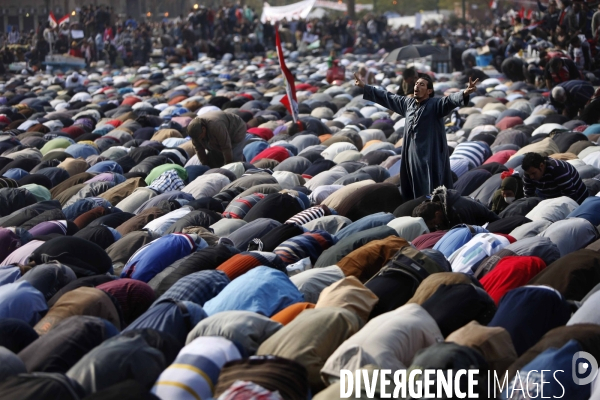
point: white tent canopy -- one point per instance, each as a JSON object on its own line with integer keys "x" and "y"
{"x": 292, "y": 11}
{"x": 302, "y": 9}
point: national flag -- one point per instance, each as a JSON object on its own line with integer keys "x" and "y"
{"x": 52, "y": 20}
{"x": 63, "y": 20}
{"x": 289, "y": 100}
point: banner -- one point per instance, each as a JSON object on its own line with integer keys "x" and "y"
{"x": 418, "y": 20}
{"x": 332, "y": 5}
{"x": 77, "y": 34}
{"x": 289, "y": 100}
{"x": 52, "y": 20}
{"x": 293, "y": 11}
{"x": 411, "y": 21}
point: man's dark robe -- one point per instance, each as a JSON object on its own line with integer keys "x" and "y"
{"x": 425, "y": 161}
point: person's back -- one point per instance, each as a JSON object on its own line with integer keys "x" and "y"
{"x": 549, "y": 178}
{"x": 447, "y": 208}
{"x": 74, "y": 80}
{"x": 560, "y": 69}
{"x": 470, "y": 211}
{"x": 218, "y": 132}
{"x": 315, "y": 125}
{"x": 13, "y": 37}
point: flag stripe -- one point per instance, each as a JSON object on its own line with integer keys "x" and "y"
{"x": 52, "y": 20}
{"x": 290, "y": 102}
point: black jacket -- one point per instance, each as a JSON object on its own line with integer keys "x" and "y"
{"x": 462, "y": 210}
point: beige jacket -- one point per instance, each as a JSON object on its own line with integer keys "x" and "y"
{"x": 223, "y": 132}
{"x": 389, "y": 341}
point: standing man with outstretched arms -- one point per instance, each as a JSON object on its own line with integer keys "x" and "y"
{"x": 425, "y": 161}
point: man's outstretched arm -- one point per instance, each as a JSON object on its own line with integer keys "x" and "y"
{"x": 382, "y": 97}
{"x": 458, "y": 99}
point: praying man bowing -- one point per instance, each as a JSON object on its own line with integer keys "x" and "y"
{"x": 425, "y": 163}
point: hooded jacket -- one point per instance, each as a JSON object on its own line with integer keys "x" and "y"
{"x": 460, "y": 209}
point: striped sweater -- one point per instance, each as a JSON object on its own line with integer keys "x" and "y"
{"x": 560, "y": 179}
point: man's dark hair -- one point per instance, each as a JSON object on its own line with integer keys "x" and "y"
{"x": 555, "y": 64}
{"x": 427, "y": 210}
{"x": 532, "y": 160}
{"x": 429, "y": 82}
{"x": 409, "y": 73}
{"x": 295, "y": 128}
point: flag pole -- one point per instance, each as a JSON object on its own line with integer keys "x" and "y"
{"x": 289, "y": 100}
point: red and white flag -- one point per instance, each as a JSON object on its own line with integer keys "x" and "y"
{"x": 289, "y": 100}
{"x": 52, "y": 20}
{"x": 63, "y": 20}
{"x": 493, "y": 4}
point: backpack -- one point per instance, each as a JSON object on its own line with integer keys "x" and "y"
{"x": 410, "y": 262}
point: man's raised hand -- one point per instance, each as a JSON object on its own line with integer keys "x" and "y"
{"x": 471, "y": 87}
{"x": 358, "y": 81}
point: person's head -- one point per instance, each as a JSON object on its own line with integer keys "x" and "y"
{"x": 197, "y": 130}
{"x": 510, "y": 188}
{"x": 552, "y": 7}
{"x": 555, "y": 64}
{"x": 423, "y": 88}
{"x": 559, "y": 94}
{"x": 432, "y": 213}
{"x": 409, "y": 75}
{"x": 577, "y": 6}
{"x": 576, "y": 42}
{"x": 295, "y": 128}
{"x": 534, "y": 166}
{"x": 509, "y": 195}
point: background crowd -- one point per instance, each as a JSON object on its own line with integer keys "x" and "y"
{"x": 163, "y": 207}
